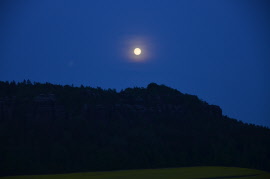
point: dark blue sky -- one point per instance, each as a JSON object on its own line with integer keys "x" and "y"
{"x": 218, "y": 50}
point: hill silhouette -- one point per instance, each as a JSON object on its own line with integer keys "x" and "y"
{"x": 46, "y": 128}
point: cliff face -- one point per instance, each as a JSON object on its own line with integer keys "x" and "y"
{"x": 42, "y": 107}
{"x": 49, "y": 107}
{"x": 45, "y": 107}
{"x": 212, "y": 110}
{"x": 154, "y": 99}
{"x": 6, "y": 108}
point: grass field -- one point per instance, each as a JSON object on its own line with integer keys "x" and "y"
{"x": 172, "y": 173}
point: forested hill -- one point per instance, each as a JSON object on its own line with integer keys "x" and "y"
{"x": 46, "y": 128}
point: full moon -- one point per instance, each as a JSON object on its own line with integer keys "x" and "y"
{"x": 137, "y": 51}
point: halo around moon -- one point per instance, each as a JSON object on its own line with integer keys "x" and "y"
{"x": 137, "y": 51}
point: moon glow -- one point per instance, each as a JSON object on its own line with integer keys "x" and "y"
{"x": 137, "y": 51}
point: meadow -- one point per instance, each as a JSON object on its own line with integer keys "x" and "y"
{"x": 168, "y": 173}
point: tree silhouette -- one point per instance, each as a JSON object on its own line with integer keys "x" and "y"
{"x": 46, "y": 128}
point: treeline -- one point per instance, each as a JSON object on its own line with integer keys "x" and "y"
{"x": 46, "y": 128}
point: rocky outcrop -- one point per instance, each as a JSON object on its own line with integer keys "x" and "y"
{"x": 131, "y": 108}
{"x": 45, "y": 107}
{"x": 215, "y": 110}
{"x": 7, "y": 108}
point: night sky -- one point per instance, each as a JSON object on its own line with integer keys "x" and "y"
{"x": 218, "y": 50}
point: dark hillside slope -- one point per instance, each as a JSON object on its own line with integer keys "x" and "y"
{"x": 46, "y": 128}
